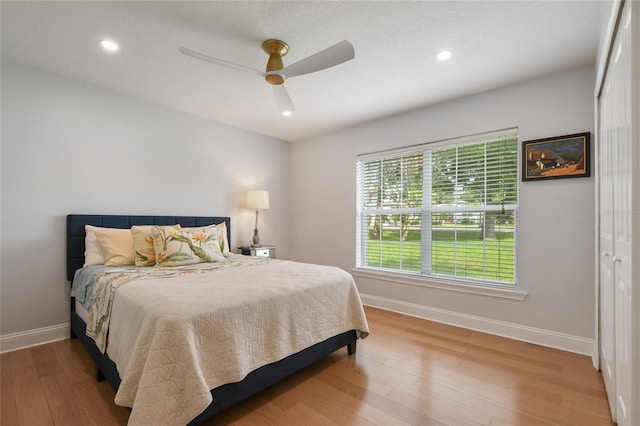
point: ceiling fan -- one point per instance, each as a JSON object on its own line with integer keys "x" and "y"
{"x": 276, "y": 73}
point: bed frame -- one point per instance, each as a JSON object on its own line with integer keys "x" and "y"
{"x": 223, "y": 396}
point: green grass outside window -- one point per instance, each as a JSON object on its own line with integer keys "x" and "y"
{"x": 467, "y": 260}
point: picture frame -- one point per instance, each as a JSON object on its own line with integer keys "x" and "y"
{"x": 559, "y": 157}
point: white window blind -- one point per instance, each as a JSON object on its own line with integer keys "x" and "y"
{"x": 446, "y": 209}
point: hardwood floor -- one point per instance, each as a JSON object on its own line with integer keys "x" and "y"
{"x": 407, "y": 372}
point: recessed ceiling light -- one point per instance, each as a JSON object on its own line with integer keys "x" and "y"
{"x": 286, "y": 113}
{"x": 444, "y": 55}
{"x": 109, "y": 45}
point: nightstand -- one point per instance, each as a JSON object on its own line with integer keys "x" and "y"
{"x": 262, "y": 251}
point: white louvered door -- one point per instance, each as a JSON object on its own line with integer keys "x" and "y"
{"x": 622, "y": 199}
{"x": 619, "y": 127}
{"x": 607, "y": 293}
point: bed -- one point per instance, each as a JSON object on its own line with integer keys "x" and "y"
{"x": 224, "y": 395}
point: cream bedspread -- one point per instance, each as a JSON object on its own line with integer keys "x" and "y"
{"x": 175, "y": 339}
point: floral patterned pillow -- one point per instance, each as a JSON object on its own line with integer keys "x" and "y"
{"x": 145, "y": 254}
{"x": 222, "y": 235}
{"x": 175, "y": 247}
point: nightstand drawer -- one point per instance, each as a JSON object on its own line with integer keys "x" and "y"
{"x": 262, "y": 251}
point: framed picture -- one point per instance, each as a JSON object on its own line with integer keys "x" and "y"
{"x": 554, "y": 158}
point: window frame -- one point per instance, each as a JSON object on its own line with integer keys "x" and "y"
{"x": 425, "y": 276}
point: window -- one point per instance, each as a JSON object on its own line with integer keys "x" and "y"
{"x": 445, "y": 209}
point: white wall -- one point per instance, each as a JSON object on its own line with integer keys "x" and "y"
{"x": 70, "y": 147}
{"x": 556, "y": 229}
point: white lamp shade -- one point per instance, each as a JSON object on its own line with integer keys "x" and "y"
{"x": 257, "y": 199}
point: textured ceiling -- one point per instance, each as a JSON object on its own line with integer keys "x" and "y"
{"x": 494, "y": 43}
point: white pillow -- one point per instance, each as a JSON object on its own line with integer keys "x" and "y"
{"x": 93, "y": 254}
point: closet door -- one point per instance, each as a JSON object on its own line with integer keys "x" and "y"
{"x": 618, "y": 111}
{"x": 607, "y": 285}
{"x": 622, "y": 208}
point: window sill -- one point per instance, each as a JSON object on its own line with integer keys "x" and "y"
{"x": 501, "y": 292}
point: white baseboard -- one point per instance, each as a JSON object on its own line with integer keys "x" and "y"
{"x": 40, "y": 336}
{"x": 565, "y": 342}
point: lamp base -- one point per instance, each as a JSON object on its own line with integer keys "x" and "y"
{"x": 256, "y": 238}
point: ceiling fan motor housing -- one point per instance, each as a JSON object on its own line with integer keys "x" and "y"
{"x": 276, "y": 49}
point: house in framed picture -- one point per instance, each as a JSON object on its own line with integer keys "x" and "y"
{"x": 390, "y": 212}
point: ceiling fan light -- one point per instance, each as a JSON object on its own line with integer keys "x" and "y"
{"x": 274, "y": 79}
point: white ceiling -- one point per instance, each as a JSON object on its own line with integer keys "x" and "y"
{"x": 494, "y": 43}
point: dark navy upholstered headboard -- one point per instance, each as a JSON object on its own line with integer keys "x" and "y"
{"x": 76, "y": 234}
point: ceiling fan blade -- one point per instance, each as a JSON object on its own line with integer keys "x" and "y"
{"x": 217, "y": 61}
{"x": 327, "y": 58}
{"x": 283, "y": 101}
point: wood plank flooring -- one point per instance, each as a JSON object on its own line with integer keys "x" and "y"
{"x": 407, "y": 372}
